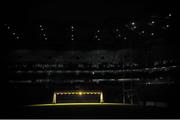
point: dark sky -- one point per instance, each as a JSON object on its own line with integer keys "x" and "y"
{"x": 60, "y": 11}
{"x": 78, "y": 9}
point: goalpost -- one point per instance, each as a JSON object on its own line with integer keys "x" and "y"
{"x": 80, "y": 93}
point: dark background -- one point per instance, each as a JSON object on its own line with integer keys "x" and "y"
{"x": 88, "y": 14}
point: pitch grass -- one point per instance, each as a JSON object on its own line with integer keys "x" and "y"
{"x": 78, "y": 104}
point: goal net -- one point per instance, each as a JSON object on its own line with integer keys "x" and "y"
{"x": 78, "y": 97}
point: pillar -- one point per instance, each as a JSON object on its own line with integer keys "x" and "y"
{"x": 101, "y": 98}
{"x": 54, "y": 98}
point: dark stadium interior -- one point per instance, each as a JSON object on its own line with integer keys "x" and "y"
{"x": 122, "y": 55}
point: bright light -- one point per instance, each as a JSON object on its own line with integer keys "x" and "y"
{"x": 80, "y": 93}
{"x": 153, "y": 22}
{"x": 152, "y": 34}
{"x": 167, "y": 26}
{"x": 148, "y": 83}
{"x": 134, "y": 27}
{"x": 170, "y": 14}
{"x": 133, "y": 23}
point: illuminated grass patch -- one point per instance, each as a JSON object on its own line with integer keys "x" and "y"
{"x": 78, "y": 104}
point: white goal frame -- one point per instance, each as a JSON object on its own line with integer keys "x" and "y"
{"x": 100, "y": 93}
